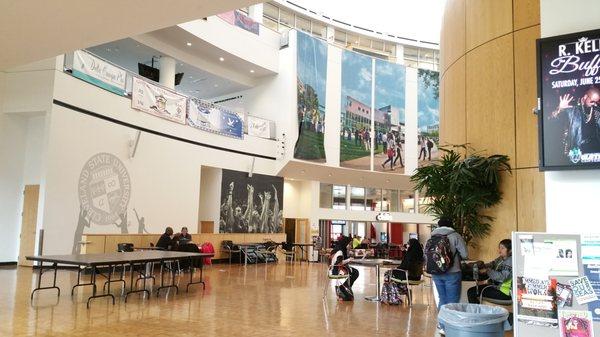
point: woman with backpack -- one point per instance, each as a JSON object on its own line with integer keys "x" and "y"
{"x": 339, "y": 265}
{"x": 499, "y": 273}
{"x": 412, "y": 262}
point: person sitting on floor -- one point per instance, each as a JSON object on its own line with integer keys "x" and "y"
{"x": 412, "y": 262}
{"x": 499, "y": 272}
{"x": 166, "y": 240}
{"x": 339, "y": 264}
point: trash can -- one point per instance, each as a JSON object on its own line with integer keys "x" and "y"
{"x": 473, "y": 320}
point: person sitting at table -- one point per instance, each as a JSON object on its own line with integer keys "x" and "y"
{"x": 356, "y": 242}
{"x": 183, "y": 235}
{"x": 412, "y": 262}
{"x": 166, "y": 240}
{"x": 499, "y": 273}
{"x": 339, "y": 264}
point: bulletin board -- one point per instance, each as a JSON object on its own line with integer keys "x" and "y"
{"x": 556, "y": 285}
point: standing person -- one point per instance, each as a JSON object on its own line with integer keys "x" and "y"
{"x": 384, "y": 139}
{"x": 447, "y": 276}
{"x": 398, "y": 152}
{"x": 499, "y": 273}
{"x": 422, "y": 147}
{"x": 429, "y": 147}
{"x": 367, "y": 140}
{"x": 356, "y": 136}
{"x": 390, "y": 157}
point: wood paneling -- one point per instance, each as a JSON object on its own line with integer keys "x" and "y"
{"x": 207, "y": 227}
{"x": 94, "y": 244}
{"x": 505, "y": 221}
{"x": 31, "y": 196}
{"x": 526, "y": 13}
{"x": 490, "y": 97}
{"x": 526, "y": 97}
{"x": 453, "y": 120}
{"x": 452, "y": 37}
{"x": 486, "y": 20}
{"x": 531, "y": 206}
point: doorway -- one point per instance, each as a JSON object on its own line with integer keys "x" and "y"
{"x": 31, "y": 196}
{"x": 290, "y": 230}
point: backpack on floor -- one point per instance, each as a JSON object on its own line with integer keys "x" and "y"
{"x": 438, "y": 255}
{"x": 344, "y": 293}
{"x": 390, "y": 293}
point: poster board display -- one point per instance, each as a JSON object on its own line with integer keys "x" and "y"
{"x": 556, "y": 284}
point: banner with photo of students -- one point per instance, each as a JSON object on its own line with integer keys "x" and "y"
{"x": 158, "y": 101}
{"x": 311, "y": 82}
{"x": 239, "y": 19}
{"x": 214, "y": 118}
{"x": 355, "y": 137}
{"x": 390, "y": 130}
{"x": 428, "y": 116}
{"x": 251, "y": 204}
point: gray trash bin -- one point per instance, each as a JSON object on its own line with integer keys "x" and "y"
{"x": 473, "y": 320}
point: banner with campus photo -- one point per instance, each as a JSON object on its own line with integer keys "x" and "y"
{"x": 355, "y": 137}
{"x": 158, "y": 101}
{"x": 428, "y": 115}
{"x": 251, "y": 204}
{"x": 390, "y": 87}
{"x": 213, "y": 118}
{"x": 311, "y": 81}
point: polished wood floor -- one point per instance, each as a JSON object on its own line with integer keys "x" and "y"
{"x": 257, "y": 300}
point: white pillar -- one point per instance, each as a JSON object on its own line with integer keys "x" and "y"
{"x": 399, "y": 54}
{"x": 255, "y": 12}
{"x": 330, "y": 34}
{"x": 167, "y": 71}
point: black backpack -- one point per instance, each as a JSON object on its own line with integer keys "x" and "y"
{"x": 438, "y": 255}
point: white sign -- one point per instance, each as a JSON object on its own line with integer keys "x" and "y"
{"x": 582, "y": 289}
{"x": 259, "y": 127}
{"x": 158, "y": 101}
{"x": 96, "y": 71}
{"x": 383, "y": 217}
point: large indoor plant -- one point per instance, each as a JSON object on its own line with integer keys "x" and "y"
{"x": 461, "y": 187}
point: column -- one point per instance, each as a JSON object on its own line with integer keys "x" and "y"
{"x": 330, "y": 34}
{"x": 400, "y": 54}
{"x": 255, "y": 12}
{"x": 167, "y": 71}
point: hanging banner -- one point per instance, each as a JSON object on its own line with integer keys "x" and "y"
{"x": 311, "y": 82}
{"x": 259, "y": 127}
{"x": 356, "y": 111}
{"x": 213, "y": 118}
{"x": 158, "y": 101}
{"x": 389, "y": 132}
{"x": 99, "y": 72}
{"x": 241, "y": 20}
{"x": 428, "y": 114}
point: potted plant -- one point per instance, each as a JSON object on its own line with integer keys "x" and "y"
{"x": 460, "y": 187}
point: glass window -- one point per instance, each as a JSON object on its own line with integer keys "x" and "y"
{"x": 376, "y": 44}
{"x": 423, "y": 204}
{"x": 411, "y": 54}
{"x": 337, "y": 228}
{"x": 286, "y": 18}
{"x": 340, "y": 37}
{"x": 303, "y": 24}
{"x": 390, "y": 201}
{"x": 373, "y": 199}
{"x": 361, "y": 230}
{"x": 339, "y": 197}
{"x": 357, "y": 198}
{"x": 353, "y": 40}
{"x": 407, "y": 200}
{"x": 270, "y": 23}
{"x": 365, "y": 43}
{"x": 318, "y": 29}
{"x": 270, "y": 11}
{"x": 390, "y": 48}
{"x": 326, "y": 196}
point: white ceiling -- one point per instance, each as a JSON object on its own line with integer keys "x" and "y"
{"x": 303, "y": 170}
{"x": 32, "y": 30}
{"x": 196, "y": 82}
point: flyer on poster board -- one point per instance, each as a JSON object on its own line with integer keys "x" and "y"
{"x": 536, "y": 301}
{"x": 590, "y": 256}
{"x": 574, "y": 323}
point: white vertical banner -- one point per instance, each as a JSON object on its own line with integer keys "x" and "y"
{"x": 158, "y": 101}
{"x": 411, "y": 121}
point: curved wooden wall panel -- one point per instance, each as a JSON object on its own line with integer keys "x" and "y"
{"x": 488, "y": 90}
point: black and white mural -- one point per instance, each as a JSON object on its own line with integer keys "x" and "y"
{"x": 251, "y": 204}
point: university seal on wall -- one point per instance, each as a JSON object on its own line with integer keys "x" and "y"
{"x": 104, "y": 188}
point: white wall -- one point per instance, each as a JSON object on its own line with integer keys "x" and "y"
{"x": 571, "y": 196}
{"x": 32, "y": 167}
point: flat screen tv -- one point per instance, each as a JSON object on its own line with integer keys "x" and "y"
{"x": 569, "y": 101}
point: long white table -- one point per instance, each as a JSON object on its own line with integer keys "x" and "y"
{"x": 93, "y": 261}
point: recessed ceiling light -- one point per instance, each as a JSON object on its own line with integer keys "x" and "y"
{"x": 252, "y": 71}
{"x": 216, "y": 85}
{"x": 330, "y": 174}
{"x": 189, "y": 44}
{"x": 191, "y": 76}
{"x": 221, "y": 59}
{"x": 302, "y": 172}
{"x": 387, "y": 181}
